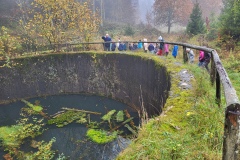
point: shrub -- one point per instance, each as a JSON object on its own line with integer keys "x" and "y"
{"x": 128, "y": 31}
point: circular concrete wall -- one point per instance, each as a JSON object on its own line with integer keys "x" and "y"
{"x": 124, "y": 77}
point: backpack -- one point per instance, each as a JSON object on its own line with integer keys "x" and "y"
{"x": 207, "y": 57}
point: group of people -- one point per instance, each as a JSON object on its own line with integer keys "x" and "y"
{"x": 154, "y": 49}
{"x": 158, "y": 48}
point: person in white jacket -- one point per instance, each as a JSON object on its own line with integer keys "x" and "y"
{"x": 191, "y": 55}
{"x": 118, "y": 42}
{"x": 145, "y": 45}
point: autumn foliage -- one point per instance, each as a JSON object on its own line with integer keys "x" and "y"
{"x": 55, "y": 22}
{"x": 171, "y": 11}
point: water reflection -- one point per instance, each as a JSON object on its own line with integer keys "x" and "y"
{"x": 67, "y": 136}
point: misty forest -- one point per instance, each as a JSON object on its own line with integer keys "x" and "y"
{"x": 119, "y": 79}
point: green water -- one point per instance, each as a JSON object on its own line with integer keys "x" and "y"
{"x": 67, "y": 136}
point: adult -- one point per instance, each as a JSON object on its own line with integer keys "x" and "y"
{"x": 174, "y": 53}
{"x": 151, "y": 48}
{"x": 161, "y": 45}
{"x": 107, "y": 45}
{"x": 191, "y": 55}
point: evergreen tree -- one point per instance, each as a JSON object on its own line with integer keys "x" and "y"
{"x": 213, "y": 32}
{"x": 230, "y": 20}
{"x": 196, "y": 24}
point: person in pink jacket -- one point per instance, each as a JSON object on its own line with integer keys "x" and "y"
{"x": 166, "y": 50}
{"x": 201, "y": 58}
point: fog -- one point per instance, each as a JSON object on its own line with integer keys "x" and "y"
{"x": 144, "y": 6}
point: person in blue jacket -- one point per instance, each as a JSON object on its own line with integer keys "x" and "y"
{"x": 174, "y": 53}
{"x": 107, "y": 45}
{"x": 140, "y": 44}
{"x": 130, "y": 47}
{"x": 113, "y": 47}
{"x": 120, "y": 48}
{"x": 124, "y": 47}
{"x": 151, "y": 48}
{"x": 135, "y": 46}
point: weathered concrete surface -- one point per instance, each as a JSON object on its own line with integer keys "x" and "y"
{"x": 118, "y": 76}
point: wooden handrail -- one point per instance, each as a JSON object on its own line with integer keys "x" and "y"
{"x": 165, "y": 42}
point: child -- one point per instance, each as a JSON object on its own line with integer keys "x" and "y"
{"x": 124, "y": 47}
{"x": 145, "y": 45}
{"x": 161, "y": 46}
{"x": 151, "y": 48}
{"x": 130, "y": 47}
{"x": 113, "y": 47}
{"x": 191, "y": 55}
{"x": 174, "y": 53}
{"x": 121, "y": 47}
{"x": 139, "y": 44}
{"x": 156, "y": 49}
{"x": 166, "y": 50}
{"x": 135, "y": 46}
{"x": 118, "y": 42}
{"x": 201, "y": 58}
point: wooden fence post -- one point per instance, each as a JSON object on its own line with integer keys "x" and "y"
{"x": 213, "y": 70}
{"x": 185, "y": 57}
{"x": 218, "y": 89}
{"x": 68, "y": 47}
{"x": 231, "y": 133}
{"x": 84, "y": 49}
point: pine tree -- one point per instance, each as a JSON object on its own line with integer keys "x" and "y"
{"x": 196, "y": 24}
{"x": 230, "y": 19}
{"x": 213, "y": 32}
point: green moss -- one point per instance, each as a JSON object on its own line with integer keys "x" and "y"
{"x": 6, "y": 135}
{"x": 120, "y": 116}
{"x": 100, "y": 136}
{"x": 108, "y": 116}
{"x": 13, "y": 136}
{"x": 68, "y": 117}
{"x": 34, "y": 107}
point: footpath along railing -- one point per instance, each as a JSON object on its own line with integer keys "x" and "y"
{"x": 219, "y": 75}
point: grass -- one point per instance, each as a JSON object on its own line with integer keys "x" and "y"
{"x": 191, "y": 129}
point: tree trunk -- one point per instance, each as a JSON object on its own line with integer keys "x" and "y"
{"x": 169, "y": 26}
{"x": 101, "y": 12}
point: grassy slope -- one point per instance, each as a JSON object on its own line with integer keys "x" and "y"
{"x": 200, "y": 120}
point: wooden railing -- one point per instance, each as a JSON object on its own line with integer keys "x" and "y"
{"x": 219, "y": 75}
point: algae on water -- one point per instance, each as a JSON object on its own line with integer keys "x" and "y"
{"x": 100, "y": 136}
{"x": 120, "y": 116}
{"x": 34, "y": 107}
{"x": 68, "y": 117}
{"x": 108, "y": 116}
